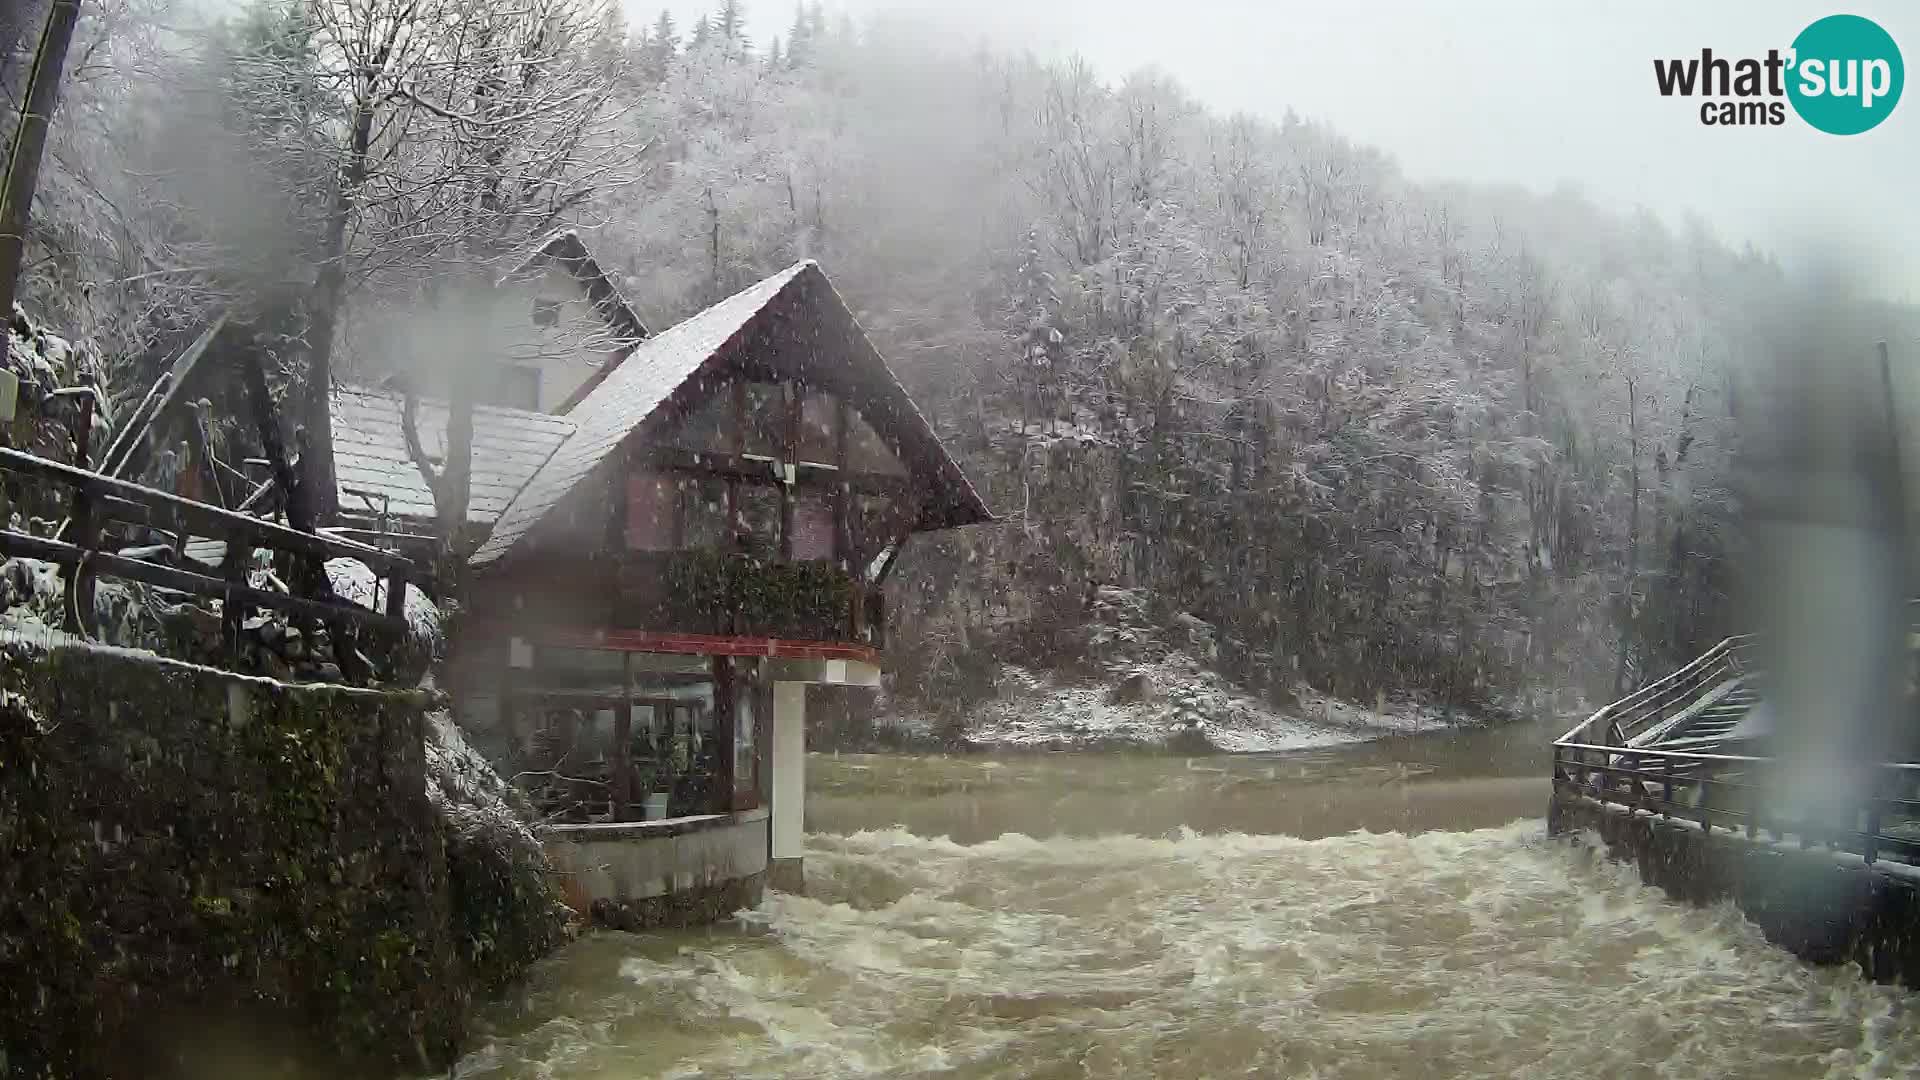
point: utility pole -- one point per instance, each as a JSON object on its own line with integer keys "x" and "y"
{"x": 29, "y": 141}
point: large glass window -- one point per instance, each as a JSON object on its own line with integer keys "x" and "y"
{"x": 812, "y": 526}
{"x": 703, "y": 512}
{"x": 820, "y": 429}
{"x": 710, "y": 428}
{"x": 757, "y": 520}
{"x": 868, "y": 452}
{"x": 746, "y": 736}
{"x": 652, "y": 500}
{"x": 764, "y": 432}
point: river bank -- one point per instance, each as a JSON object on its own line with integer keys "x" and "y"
{"x": 1174, "y": 703}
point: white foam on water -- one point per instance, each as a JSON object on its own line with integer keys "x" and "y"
{"x": 1492, "y": 953}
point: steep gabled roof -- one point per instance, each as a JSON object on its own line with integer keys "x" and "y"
{"x": 567, "y": 251}
{"x": 370, "y": 453}
{"x": 633, "y": 391}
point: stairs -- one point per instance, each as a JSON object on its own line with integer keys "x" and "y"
{"x": 1714, "y": 721}
{"x": 1706, "y": 720}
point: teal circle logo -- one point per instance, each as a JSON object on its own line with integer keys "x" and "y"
{"x": 1846, "y": 75}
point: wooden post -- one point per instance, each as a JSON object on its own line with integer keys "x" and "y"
{"x": 842, "y": 528}
{"x": 234, "y": 569}
{"x": 737, "y": 445}
{"x": 1870, "y": 844}
{"x": 620, "y": 759}
{"x": 1666, "y": 787}
{"x": 725, "y": 717}
{"x": 78, "y": 617}
{"x": 789, "y": 460}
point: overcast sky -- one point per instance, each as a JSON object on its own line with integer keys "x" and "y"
{"x": 1504, "y": 91}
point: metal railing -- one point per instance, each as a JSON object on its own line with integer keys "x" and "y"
{"x": 1665, "y": 698}
{"x": 1731, "y": 792}
{"x": 1615, "y": 756}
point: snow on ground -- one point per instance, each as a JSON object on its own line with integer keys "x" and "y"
{"x": 1181, "y": 701}
{"x": 354, "y": 582}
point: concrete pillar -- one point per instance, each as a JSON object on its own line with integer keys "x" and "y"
{"x": 786, "y": 872}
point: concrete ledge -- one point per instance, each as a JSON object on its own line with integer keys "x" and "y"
{"x": 661, "y": 873}
{"x": 596, "y": 831}
{"x": 1822, "y": 906}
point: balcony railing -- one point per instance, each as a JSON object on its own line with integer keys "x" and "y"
{"x": 708, "y": 593}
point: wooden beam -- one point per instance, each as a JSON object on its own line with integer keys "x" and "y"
{"x": 123, "y": 455}
{"x": 842, "y": 535}
{"x": 86, "y": 529}
{"x": 740, "y": 467}
{"x": 790, "y": 460}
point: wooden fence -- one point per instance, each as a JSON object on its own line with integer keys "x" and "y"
{"x": 98, "y": 500}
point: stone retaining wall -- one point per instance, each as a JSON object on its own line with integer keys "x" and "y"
{"x": 210, "y": 875}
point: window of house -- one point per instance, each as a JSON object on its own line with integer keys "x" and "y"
{"x": 710, "y": 427}
{"x": 515, "y": 386}
{"x": 812, "y": 527}
{"x": 868, "y": 452}
{"x": 874, "y": 522}
{"x": 546, "y": 312}
{"x": 756, "y": 525}
{"x": 651, "y": 501}
{"x": 703, "y": 512}
{"x": 819, "y": 429}
{"x": 766, "y": 421}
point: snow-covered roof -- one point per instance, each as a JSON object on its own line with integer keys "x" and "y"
{"x": 626, "y": 397}
{"x": 631, "y": 392}
{"x": 370, "y": 453}
{"x": 565, "y": 249}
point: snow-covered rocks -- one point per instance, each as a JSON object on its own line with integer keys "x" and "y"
{"x": 1174, "y": 703}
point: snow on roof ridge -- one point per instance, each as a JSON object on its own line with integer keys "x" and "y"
{"x": 626, "y": 397}
{"x": 588, "y": 271}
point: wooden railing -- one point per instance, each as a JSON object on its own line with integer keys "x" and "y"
{"x": 1661, "y": 700}
{"x": 98, "y": 500}
{"x": 1732, "y": 792}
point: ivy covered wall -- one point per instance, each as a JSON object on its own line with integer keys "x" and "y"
{"x": 206, "y": 875}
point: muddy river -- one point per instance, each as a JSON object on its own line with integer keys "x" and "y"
{"x": 1387, "y": 910}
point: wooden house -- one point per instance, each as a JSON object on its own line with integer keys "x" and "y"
{"x": 699, "y": 530}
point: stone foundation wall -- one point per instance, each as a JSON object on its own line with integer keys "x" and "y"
{"x": 209, "y": 875}
{"x": 1823, "y": 907}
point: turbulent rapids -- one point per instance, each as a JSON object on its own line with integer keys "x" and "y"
{"x": 1482, "y": 952}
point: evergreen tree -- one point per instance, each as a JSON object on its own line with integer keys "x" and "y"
{"x": 660, "y": 46}
{"x": 666, "y": 36}
{"x": 730, "y": 21}
{"x": 800, "y": 39}
{"x": 702, "y": 29}
{"x": 775, "y": 61}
